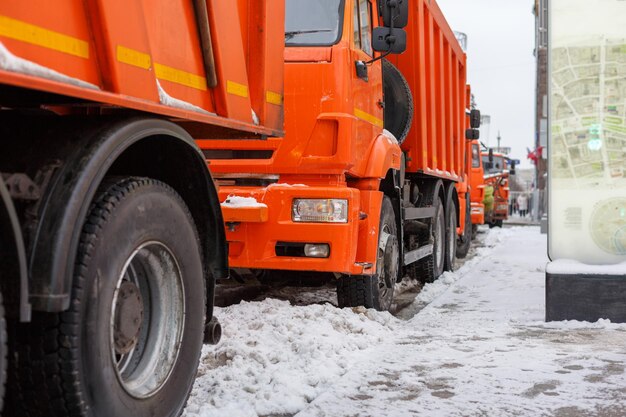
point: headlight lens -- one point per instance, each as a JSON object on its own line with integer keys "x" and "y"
{"x": 329, "y": 210}
{"x": 503, "y": 207}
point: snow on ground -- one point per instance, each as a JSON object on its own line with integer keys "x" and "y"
{"x": 479, "y": 347}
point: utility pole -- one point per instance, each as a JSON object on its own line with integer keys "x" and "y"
{"x": 499, "y": 139}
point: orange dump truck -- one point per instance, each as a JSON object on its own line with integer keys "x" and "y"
{"x": 111, "y": 232}
{"x": 489, "y": 180}
{"x": 496, "y": 177}
{"x": 364, "y": 182}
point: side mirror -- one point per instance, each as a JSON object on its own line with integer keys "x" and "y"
{"x": 389, "y": 40}
{"x": 512, "y": 170}
{"x": 395, "y": 13}
{"x": 475, "y": 119}
{"x": 490, "y": 155}
{"x": 488, "y": 166}
{"x": 472, "y": 134}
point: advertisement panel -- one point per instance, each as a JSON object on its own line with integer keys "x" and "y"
{"x": 587, "y": 147}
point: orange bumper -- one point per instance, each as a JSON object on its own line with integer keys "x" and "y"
{"x": 256, "y": 236}
{"x": 478, "y": 213}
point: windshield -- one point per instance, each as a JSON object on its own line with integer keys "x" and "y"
{"x": 498, "y": 164}
{"x": 313, "y": 22}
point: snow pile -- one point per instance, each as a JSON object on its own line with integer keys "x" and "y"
{"x": 170, "y": 101}
{"x": 285, "y": 185}
{"x": 480, "y": 348}
{"x": 275, "y": 359}
{"x": 570, "y": 266}
{"x": 12, "y": 63}
{"x": 233, "y": 201}
{"x": 433, "y": 290}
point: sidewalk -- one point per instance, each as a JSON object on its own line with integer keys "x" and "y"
{"x": 482, "y": 349}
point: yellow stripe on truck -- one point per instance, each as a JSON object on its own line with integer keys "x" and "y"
{"x": 132, "y": 57}
{"x": 368, "y": 117}
{"x": 36, "y": 35}
{"x": 163, "y": 72}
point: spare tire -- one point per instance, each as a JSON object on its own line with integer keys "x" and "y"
{"x": 398, "y": 102}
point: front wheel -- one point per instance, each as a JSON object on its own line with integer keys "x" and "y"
{"x": 496, "y": 223}
{"x": 375, "y": 291}
{"x": 130, "y": 343}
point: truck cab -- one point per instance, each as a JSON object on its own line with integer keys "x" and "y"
{"x": 496, "y": 178}
{"x": 362, "y": 184}
{"x": 321, "y": 180}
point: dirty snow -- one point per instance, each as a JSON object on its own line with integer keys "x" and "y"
{"x": 255, "y": 118}
{"x": 170, "y": 101}
{"x": 233, "y": 201}
{"x": 477, "y": 346}
{"x": 13, "y": 63}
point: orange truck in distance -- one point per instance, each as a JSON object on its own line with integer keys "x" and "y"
{"x": 489, "y": 179}
{"x": 364, "y": 183}
{"x": 497, "y": 173}
{"x": 111, "y": 231}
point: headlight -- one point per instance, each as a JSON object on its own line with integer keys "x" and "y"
{"x": 477, "y": 210}
{"x": 319, "y": 210}
{"x": 503, "y": 207}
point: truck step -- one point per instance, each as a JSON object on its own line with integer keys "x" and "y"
{"x": 417, "y": 254}
{"x": 413, "y": 213}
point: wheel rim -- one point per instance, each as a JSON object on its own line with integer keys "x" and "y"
{"x": 386, "y": 278}
{"x": 147, "y": 319}
{"x": 451, "y": 238}
{"x": 439, "y": 235}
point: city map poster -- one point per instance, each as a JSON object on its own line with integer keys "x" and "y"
{"x": 587, "y": 147}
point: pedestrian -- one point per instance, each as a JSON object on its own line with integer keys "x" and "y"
{"x": 522, "y": 203}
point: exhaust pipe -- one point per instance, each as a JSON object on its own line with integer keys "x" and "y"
{"x": 212, "y": 332}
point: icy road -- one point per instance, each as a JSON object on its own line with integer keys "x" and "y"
{"x": 477, "y": 346}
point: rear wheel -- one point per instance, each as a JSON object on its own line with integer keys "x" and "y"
{"x": 451, "y": 234}
{"x": 464, "y": 241}
{"x": 474, "y": 231}
{"x": 131, "y": 340}
{"x": 428, "y": 269}
{"x": 375, "y": 291}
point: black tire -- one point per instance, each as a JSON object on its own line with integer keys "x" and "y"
{"x": 474, "y": 231}
{"x": 375, "y": 291}
{"x": 496, "y": 223}
{"x": 3, "y": 352}
{"x": 464, "y": 242}
{"x": 428, "y": 269}
{"x": 451, "y": 234}
{"x": 398, "y": 102}
{"x": 139, "y": 233}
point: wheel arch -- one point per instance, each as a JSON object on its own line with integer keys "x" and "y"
{"x": 89, "y": 151}
{"x": 385, "y": 154}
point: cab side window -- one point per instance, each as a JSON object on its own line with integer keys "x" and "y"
{"x": 475, "y": 157}
{"x": 362, "y": 17}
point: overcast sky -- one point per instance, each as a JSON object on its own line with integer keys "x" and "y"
{"x": 501, "y": 65}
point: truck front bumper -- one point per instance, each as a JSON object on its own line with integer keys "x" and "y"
{"x": 478, "y": 213}
{"x": 268, "y": 238}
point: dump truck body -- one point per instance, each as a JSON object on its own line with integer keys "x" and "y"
{"x": 326, "y": 183}
{"x": 109, "y": 216}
